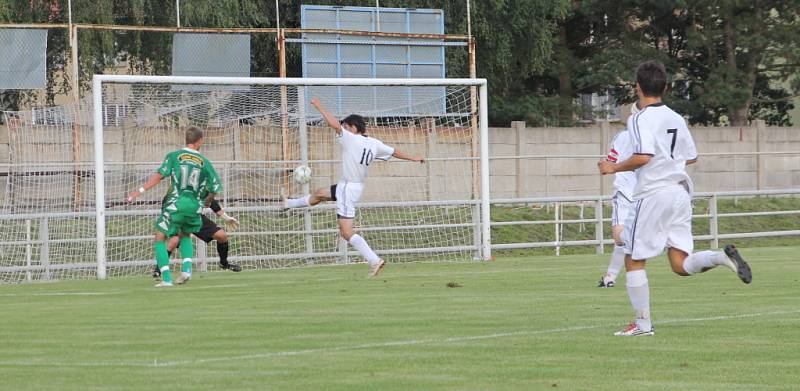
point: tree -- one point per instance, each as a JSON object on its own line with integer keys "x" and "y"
{"x": 730, "y": 61}
{"x": 743, "y": 50}
{"x": 514, "y": 47}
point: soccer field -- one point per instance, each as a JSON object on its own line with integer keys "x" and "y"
{"x": 516, "y": 323}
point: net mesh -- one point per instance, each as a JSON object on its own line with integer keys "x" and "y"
{"x": 254, "y": 135}
{"x": 46, "y": 198}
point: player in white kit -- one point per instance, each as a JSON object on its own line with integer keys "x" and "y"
{"x": 621, "y": 203}
{"x": 358, "y": 152}
{"x": 662, "y": 147}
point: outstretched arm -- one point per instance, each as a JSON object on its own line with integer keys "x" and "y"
{"x": 404, "y": 156}
{"x": 154, "y": 179}
{"x": 329, "y": 118}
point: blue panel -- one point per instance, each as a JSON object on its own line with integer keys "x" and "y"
{"x": 211, "y": 54}
{"x": 374, "y": 61}
{"x": 23, "y": 62}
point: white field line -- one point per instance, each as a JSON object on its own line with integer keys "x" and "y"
{"x": 201, "y": 287}
{"x": 387, "y": 344}
{"x": 144, "y": 288}
{"x": 60, "y": 294}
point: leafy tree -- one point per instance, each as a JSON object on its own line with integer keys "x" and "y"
{"x": 732, "y": 60}
{"x": 743, "y": 50}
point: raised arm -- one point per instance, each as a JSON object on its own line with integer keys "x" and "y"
{"x": 332, "y": 121}
{"x": 404, "y": 156}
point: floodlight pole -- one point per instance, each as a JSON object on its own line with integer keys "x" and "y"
{"x": 377, "y": 15}
{"x": 277, "y": 15}
{"x": 76, "y": 96}
{"x": 73, "y": 47}
{"x": 284, "y": 94}
{"x": 178, "y": 13}
{"x": 469, "y": 23}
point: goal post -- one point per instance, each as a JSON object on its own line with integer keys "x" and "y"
{"x": 399, "y": 218}
{"x": 99, "y": 175}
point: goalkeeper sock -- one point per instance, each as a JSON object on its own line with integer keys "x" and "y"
{"x": 222, "y": 250}
{"x": 187, "y": 252}
{"x": 299, "y": 202}
{"x": 162, "y": 260}
{"x": 361, "y": 245}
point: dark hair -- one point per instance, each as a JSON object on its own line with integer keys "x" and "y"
{"x": 193, "y": 135}
{"x": 357, "y": 121}
{"x": 652, "y": 78}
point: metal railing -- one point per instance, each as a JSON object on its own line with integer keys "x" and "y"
{"x": 44, "y": 240}
{"x": 599, "y": 219}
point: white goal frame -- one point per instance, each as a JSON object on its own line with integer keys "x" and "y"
{"x": 97, "y": 91}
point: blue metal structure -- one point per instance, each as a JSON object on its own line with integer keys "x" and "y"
{"x": 348, "y": 56}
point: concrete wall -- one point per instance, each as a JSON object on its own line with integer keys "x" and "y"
{"x": 564, "y": 172}
{"x": 567, "y": 175}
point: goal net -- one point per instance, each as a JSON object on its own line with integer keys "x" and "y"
{"x": 256, "y": 132}
{"x": 46, "y": 195}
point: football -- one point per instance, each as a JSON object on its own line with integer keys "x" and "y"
{"x": 302, "y": 174}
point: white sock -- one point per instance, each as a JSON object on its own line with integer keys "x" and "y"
{"x": 189, "y": 262}
{"x": 361, "y": 245}
{"x": 704, "y": 260}
{"x": 615, "y": 264}
{"x": 639, "y": 293}
{"x": 301, "y": 202}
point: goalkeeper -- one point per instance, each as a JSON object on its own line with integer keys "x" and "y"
{"x": 208, "y": 232}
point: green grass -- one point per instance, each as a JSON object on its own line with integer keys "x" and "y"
{"x": 530, "y": 323}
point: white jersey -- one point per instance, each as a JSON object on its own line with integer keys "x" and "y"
{"x": 619, "y": 151}
{"x": 658, "y": 131}
{"x": 358, "y": 152}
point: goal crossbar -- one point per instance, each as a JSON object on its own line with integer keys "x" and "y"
{"x": 285, "y": 81}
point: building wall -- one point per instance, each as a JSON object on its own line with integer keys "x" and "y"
{"x": 547, "y": 161}
{"x": 565, "y": 174}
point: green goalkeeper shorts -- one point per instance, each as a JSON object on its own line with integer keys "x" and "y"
{"x": 182, "y": 216}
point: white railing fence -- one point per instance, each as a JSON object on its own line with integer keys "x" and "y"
{"x": 599, "y": 221}
{"x": 39, "y": 239}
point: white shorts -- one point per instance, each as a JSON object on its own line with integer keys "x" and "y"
{"x": 621, "y": 208}
{"x": 659, "y": 221}
{"x": 346, "y": 194}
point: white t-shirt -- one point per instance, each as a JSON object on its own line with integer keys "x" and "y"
{"x": 619, "y": 151}
{"x": 358, "y": 152}
{"x": 661, "y": 133}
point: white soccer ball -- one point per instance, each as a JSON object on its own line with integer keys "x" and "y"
{"x": 302, "y": 174}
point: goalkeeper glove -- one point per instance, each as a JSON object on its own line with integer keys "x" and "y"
{"x": 230, "y": 222}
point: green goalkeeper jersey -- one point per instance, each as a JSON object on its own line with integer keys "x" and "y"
{"x": 191, "y": 175}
